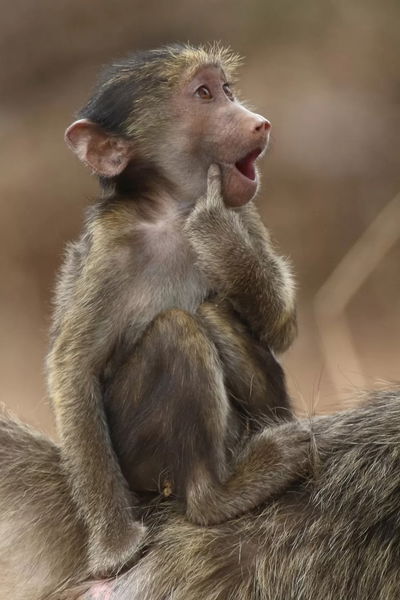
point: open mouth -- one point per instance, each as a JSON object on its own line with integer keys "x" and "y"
{"x": 246, "y": 165}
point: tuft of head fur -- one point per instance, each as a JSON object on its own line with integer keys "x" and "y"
{"x": 130, "y": 96}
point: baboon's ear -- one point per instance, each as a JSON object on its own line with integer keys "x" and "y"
{"x": 105, "y": 154}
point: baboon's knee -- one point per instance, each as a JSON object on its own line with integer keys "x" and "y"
{"x": 182, "y": 332}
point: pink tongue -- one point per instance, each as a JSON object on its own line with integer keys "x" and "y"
{"x": 246, "y": 165}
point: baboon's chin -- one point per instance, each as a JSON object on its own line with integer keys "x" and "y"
{"x": 237, "y": 188}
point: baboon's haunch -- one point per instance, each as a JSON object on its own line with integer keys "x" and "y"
{"x": 171, "y": 305}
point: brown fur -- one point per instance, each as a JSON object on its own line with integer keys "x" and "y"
{"x": 34, "y": 487}
{"x": 169, "y": 309}
{"x": 337, "y": 535}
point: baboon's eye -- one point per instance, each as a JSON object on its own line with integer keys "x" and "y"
{"x": 203, "y": 92}
{"x": 228, "y": 92}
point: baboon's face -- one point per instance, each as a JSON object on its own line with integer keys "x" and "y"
{"x": 214, "y": 127}
{"x": 200, "y": 123}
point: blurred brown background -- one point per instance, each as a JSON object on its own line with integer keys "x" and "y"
{"x": 327, "y": 74}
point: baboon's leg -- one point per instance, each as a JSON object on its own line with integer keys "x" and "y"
{"x": 167, "y": 406}
{"x": 172, "y": 425}
{"x": 270, "y": 462}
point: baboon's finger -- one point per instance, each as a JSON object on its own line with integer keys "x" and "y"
{"x": 214, "y": 185}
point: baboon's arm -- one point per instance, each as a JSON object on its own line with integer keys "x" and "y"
{"x": 86, "y": 335}
{"x": 235, "y": 253}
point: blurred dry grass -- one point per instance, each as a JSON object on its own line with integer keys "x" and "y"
{"x": 327, "y": 74}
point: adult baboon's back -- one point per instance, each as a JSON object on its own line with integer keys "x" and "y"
{"x": 335, "y": 537}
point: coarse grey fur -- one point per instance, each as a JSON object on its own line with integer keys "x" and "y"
{"x": 336, "y": 536}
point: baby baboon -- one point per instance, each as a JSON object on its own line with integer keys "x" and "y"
{"x": 171, "y": 305}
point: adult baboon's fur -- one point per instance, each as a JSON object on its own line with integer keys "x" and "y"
{"x": 337, "y": 536}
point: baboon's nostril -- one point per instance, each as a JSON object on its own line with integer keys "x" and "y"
{"x": 263, "y": 124}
